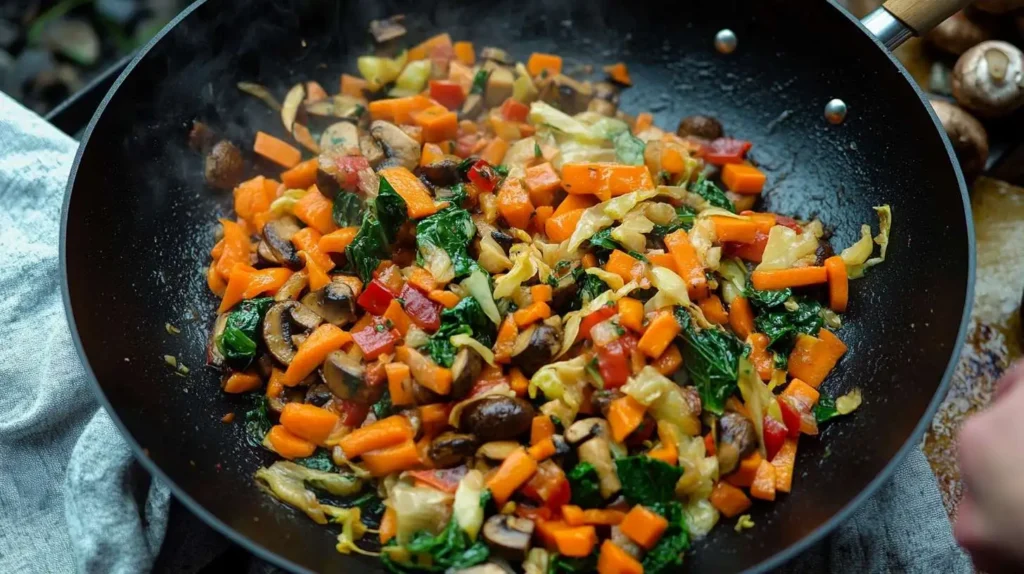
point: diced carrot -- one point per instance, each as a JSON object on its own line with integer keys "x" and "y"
{"x": 317, "y": 275}
{"x": 619, "y": 73}
{"x": 388, "y": 460}
{"x": 446, "y": 298}
{"x": 418, "y": 201}
{"x": 765, "y": 221}
{"x": 543, "y": 450}
{"x": 277, "y": 151}
{"x": 275, "y": 386}
{"x": 709, "y": 444}
{"x": 399, "y": 110}
{"x": 308, "y": 239}
{"x": 729, "y": 500}
{"x": 663, "y": 260}
{"x": 763, "y": 486}
{"x": 802, "y": 391}
{"x": 513, "y": 473}
{"x": 666, "y": 452}
{"x": 507, "y": 333}
{"x": 540, "y": 62}
{"x": 669, "y": 361}
{"x": 266, "y": 281}
{"x": 438, "y": 123}
{"x": 494, "y": 153}
{"x": 541, "y": 215}
{"x": 514, "y": 111}
{"x": 624, "y": 416}
{"x": 541, "y": 293}
{"x": 746, "y": 471}
{"x": 301, "y": 176}
{"x": 624, "y": 265}
{"x": 615, "y": 560}
{"x": 238, "y": 281}
{"x": 644, "y": 120}
{"x": 813, "y": 358}
{"x": 735, "y": 230}
{"x": 431, "y": 154}
{"x": 398, "y": 317}
{"x": 235, "y": 248}
{"x": 250, "y": 198}
{"x": 240, "y": 382}
{"x": 287, "y": 444}
{"x": 514, "y": 203}
{"x": 743, "y": 178}
{"x": 309, "y": 421}
{"x": 465, "y": 53}
{"x": 762, "y": 359}
{"x": 388, "y": 525}
{"x": 338, "y": 240}
{"x": 713, "y": 310}
{"x": 784, "y": 463}
{"x": 560, "y": 227}
{"x": 214, "y": 281}
{"x": 631, "y": 314}
{"x": 391, "y": 431}
{"x": 659, "y": 334}
{"x": 573, "y": 203}
{"x": 783, "y": 278}
{"x": 434, "y": 418}
{"x": 741, "y": 317}
{"x": 312, "y": 352}
{"x": 532, "y": 313}
{"x": 542, "y": 182}
{"x": 673, "y": 159}
{"x": 398, "y": 384}
{"x": 541, "y": 428}
{"x": 423, "y": 50}
{"x": 430, "y": 375}
{"x": 605, "y": 180}
{"x": 838, "y": 284}
{"x": 352, "y": 86}
{"x": 518, "y": 381}
{"x": 314, "y": 210}
{"x": 643, "y": 526}
{"x": 688, "y": 263}
{"x": 589, "y": 260}
{"x": 577, "y": 541}
{"x": 546, "y": 530}
{"x": 572, "y": 515}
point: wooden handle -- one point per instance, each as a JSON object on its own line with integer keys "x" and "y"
{"x": 923, "y": 15}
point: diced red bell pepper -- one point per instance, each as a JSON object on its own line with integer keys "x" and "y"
{"x": 592, "y": 319}
{"x": 448, "y": 94}
{"x": 390, "y": 275}
{"x": 352, "y": 413}
{"x": 549, "y": 486}
{"x": 483, "y": 176}
{"x": 426, "y": 313}
{"x": 444, "y": 479}
{"x": 375, "y": 298}
{"x": 375, "y": 340}
{"x": 514, "y": 111}
{"x": 614, "y": 361}
{"x": 752, "y": 251}
{"x": 726, "y": 150}
{"x": 348, "y": 170}
{"x": 788, "y": 222}
{"x": 465, "y": 144}
{"x": 533, "y": 513}
{"x": 774, "y": 436}
{"x": 790, "y": 416}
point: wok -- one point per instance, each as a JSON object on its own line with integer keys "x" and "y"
{"x": 138, "y": 222}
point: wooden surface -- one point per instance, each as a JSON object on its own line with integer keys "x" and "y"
{"x": 923, "y": 15}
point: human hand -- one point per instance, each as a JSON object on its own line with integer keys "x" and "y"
{"x": 990, "y": 517}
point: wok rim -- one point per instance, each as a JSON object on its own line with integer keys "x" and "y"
{"x": 774, "y": 561}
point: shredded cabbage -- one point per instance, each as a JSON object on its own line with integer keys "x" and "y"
{"x": 554, "y": 380}
{"x": 380, "y": 71}
{"x": 519, "y": 156}
{"x": 882, "y": 240}
{"x": 701, "y": 517}
{"x": 464, "y": 340}
{"x": 670, "y": 286}
{"x": 663, "y": 399}
{"x": 734, "y": 274}
{"x": 479, "y": 287}
{"x": 543, "y": 114}
{"x": 611, "y": 279}
{"x": 785, "y": 247}
{"x": 468, "y": 512}
{"x": 536, "y": 561}
{"x": 523, "y": 268}
{"x": 286, "y": 481}
{"x": 849, "y": 402}
{"x": 492, "y": 256}
{"x": 284, "y": 204}
{"x": 602, "y": 215}
{"x": 573, "y": 151}
{"x": 418, "y": 509}
{"x": 756, "y": 397}
{"x": 412, "y": 80}
{"x": 352, "y": 529}
{"x": 856, "y": 254}
{"x": 523, "y": 89}
{"x": 437, "y": 261}
{"x": 630, "y": 234}
{"x": 571, "y": 321}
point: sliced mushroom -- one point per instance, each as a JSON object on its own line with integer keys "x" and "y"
{"x": 370, "y": 150}
{"x": 497, "y": 55}
{"x": 598, "y": 453}
{"x": 399, "y": 148}
{"x": 293, "y": 287}
{"x": 508, "y": 535}
{"x": 318, "y": 394}
{"x": 498, "y": 450}
{"x": 343, "y": 135}
{"x": 224, "y": 165}
{"x": 988, "y": 79}
{"x": 213, "y": 355}
{"x": 338, "y": 106}
{"x": 602, "y": 400}
{"x": 387, "y": 29}
{"x": 585, "y": 429}
{"x": 344, "y": 376}
{"x": 444, "y": 173}
{"x": 567, "y": 94}
{"x": 423, "y": 396}
{"x": 561, "y": 445}
{"x": 267, "y": 257}
{"x": 736, "y": 439}
{"x": 277, "y": 332}
{"x": 472, "y": 107}
{"x": 968, "y": 136}
{"x": 450, "y": 449}
{"x": 535, "y": 347}
{"x": 415, "y": 421}
{"x": 497, "y": 418}
{"x": 564, "y": 291}
{"x": 303, "y": 317}
{"x": 503, "y": 239}
{"x": 465, "y": 369}
{"x": 335, "y": 303}
{"x": 499, "y": 86}
{"x": 704, "y": 127}
{"x": 606, "y": 99}
{"x": 277, "y": 235}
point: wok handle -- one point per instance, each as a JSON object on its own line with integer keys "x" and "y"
{"x": 897, "y": 20}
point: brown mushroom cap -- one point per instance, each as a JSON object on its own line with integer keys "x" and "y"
{"x": 497, "y": 418}
{"x": 959, "y": 33}
{"x": 450, "y": 449}
{"x": 508, "y": 535}
{"x": 988, "y": 79}
{"x": 224, "y": 165}
{"x": 968, "y": 136}
{"x": 736, "y": 439}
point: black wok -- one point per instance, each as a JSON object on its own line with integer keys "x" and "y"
{"x": 139, "y": 223}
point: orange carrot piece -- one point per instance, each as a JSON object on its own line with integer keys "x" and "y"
{"x": 540, "y": 62}
{"x": 301, "y": 176}
{"x": 663, "y": 260}
{"x": 308, "y": 239}
{"x": 743, "y": 178}
{"x": 542, "y": 182}
{"x": 436, "y": 377}
{"x": 438, "y": 123}
{"x": 589, "y": 260}
{"x": 240, "y": 382}
{"x": 314, "y": 92}
{"x": 783, "y": 278}
{"x": 238, "y": 281}
{"x": 560, "y": 227}
{"x": 391, "y": 431}
{"x": 838, "y": 284}
{"x": 577, "y": 541}
{"x": 619, "y": 73}
{"x": 423, "y": 50}
{"x": 746, "y": 471}
{"x": 507, "y": 333}
{"x": 532, "y": 313}
{"x": 399, "y": 110}
{"x": 274, "y": 386}
{"x": 669, "y": 361}
{"x": 398, "y": 317}
{"x": 519, "y": 383}
{"x": 541, "y": 215}
{"x": 465, "y": 53}
{"x": 495, "y": 151}
{"x": 605, "y": 180}
{"x": 312, "y": 352}
{"x": 802, "y": 391}
{"x": 673, "y": 159}
{"x": 250, "y": 198}
{"x": 266, "y": 281}
{"x": 729, "y": 500}
{"x": 765, "y": 221}
{"x": 541, "y": 428}
{"x": 614, "y": 560}
{"x": 761, "y": 358}
{"x": 546, "y": 530}
{"x": 309, "y": 421}
{"x": 713, "y": 310}
{"x": 513, "y": 473}
{"x": 624, "y": 416}
{"x": 573, "y": 203}
{"x": 541, "y": 293}
{"x": 277, "y": 151}
{"x": 434, "y": 418}
{"x": 741, "y": 317}
{"x": 813, "y": 358}
{"x": 446, "y": 298}
{"x": 631, "y": 314}
{"x": 643, "y": 526}
{"x": 214, "y": 281}
{"x": 431, "y": 154}
{"x": 624, "y": 265}
{"x": 418, "y": 201}
{"x": 388, "y": 460}
{"x": 388, "y": 525}
{"x": 543, "y": 450}
{"x": 734, "y": 230}
{"x": 235, "y": 248}
{"x": 603, "y": 517}
{"x": 352, "y": 86}
{"x": 644, "y": 120}
{"x": 338, "y": 240}
{"x": 514, "y": 203}
{"x": 287, "y": 444}
{"x": 422, "y": 279}
{"x": 763, "y": 486}
{"x": 666, "y": 453}
{"x": 314, "y": 210}
{"x": 688, "y": 263}
{"x": 784, "y": 463}
{"x": 318, "y": 277}
{"x": 399, "y": 384}
{"x": 659, "y": 334}
{"x": 572, "y": 515}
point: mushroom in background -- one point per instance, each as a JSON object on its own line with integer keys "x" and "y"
{"x": 989, "y": 79}
{"x": 998, "y": 6}
{"x": 959, "y": 33}
{"x": 968, "y": 136}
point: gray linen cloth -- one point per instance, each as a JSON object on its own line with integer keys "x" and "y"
{"x": 71, "y": 498}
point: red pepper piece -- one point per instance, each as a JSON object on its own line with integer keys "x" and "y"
{"x": 613, "y": 363}
{"x": 592, "y": 319}
{"x": 774, "y": 436}
{"x": 375, "y": 298}
{"x": 788, "y": 222}
{"x": 352, "y": 413}
{"x": 726, "y": 150}
{"x": 790, "y": 416}
{"x": 514, "y": 110}
{"x": 426, "y": 313}
{"x": 483, "y": 176}
{"x": 375, "y": 340}
{"x": 448, "y": 94}
{"x": 348, "y": 170}
{"x": 549, "y": 486}
{"x": 747, "y": 251}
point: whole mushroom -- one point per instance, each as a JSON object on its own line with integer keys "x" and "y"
{"x": 959, "y": 33}
{"x": 989, "y": 79}
{"x": 968, "y": 136}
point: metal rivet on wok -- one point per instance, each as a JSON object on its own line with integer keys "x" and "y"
{"x": 725, "y": 41}
{"x": 835, "y": 111}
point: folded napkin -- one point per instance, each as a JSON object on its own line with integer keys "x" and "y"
{"x": 72, "y": 498}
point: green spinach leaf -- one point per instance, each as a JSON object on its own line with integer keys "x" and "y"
{"x": 390, "y": 209}
{"x": 348, "y": 209}
{"x": 466, "y": 317}
{"x": 825, "y": 409}
{"x": 629, "y": 149}
{"x": 667, "y": 554}
{"x": 382, "y": 408}
{"x": 766, "y": 299}
{"x": 590, "y": 288}
{"x": 451, "y": 230}
{"x": 715, "y": 196}
{"x": 320, "y": 460}
{"x": 451, "y": 549}
{"x": 238, "y": 341}
{"x": 646, "y": 480}
{"x": 479, "y": 82}
{"x": 585, "y": 486}
{"x": 567, "y": 565}
{"x": 782, "y": 325}
{"x": 257, "y": 421}
{"x": 684, "y": 220}
{"x": 712, "y": 359}
{"x": 384, "y": 216}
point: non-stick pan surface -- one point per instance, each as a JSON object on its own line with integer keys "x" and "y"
{"x": 139, "y": 223}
